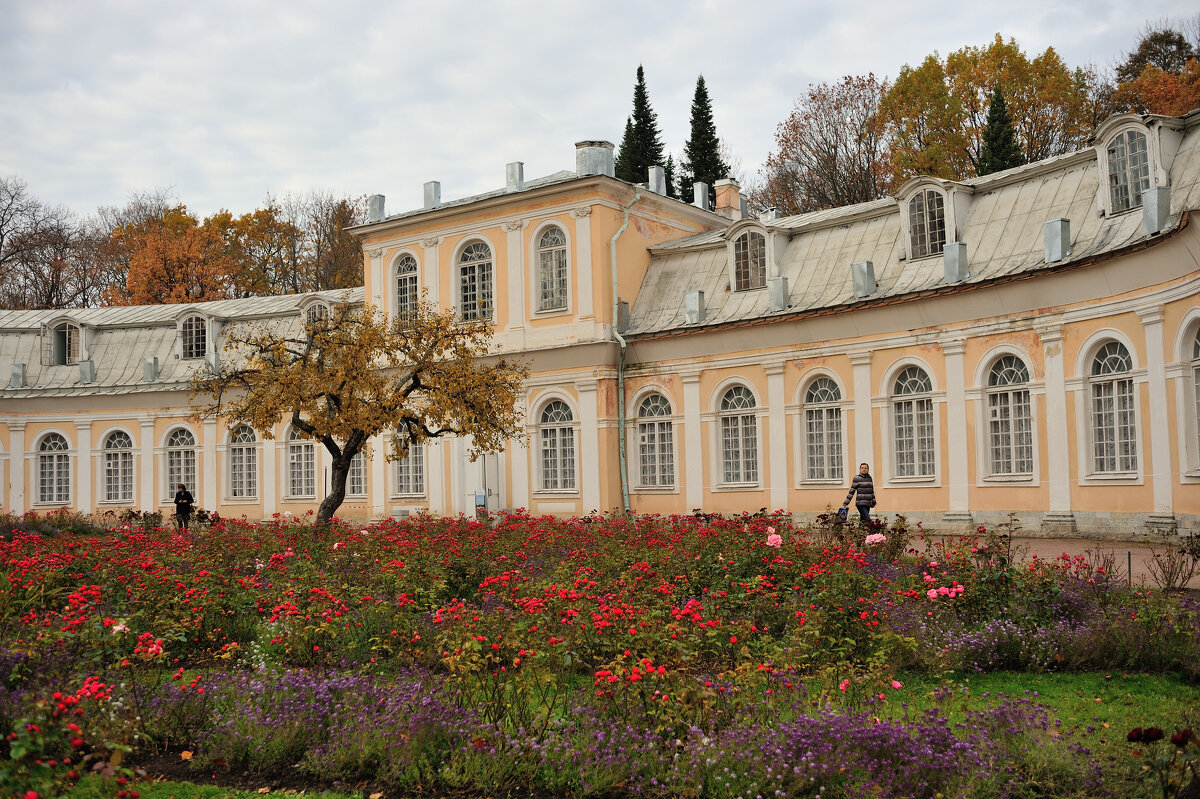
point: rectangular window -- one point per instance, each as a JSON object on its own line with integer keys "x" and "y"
{"x": 181, "y": 468}
{"x": 243, "y": 472}
{"x": 914, "y": 437}
{"x": 476, "y": 291}
{"x": 118, "y": 476}
{"x": 1114, "y": 429}
{"x": 739, "y": 447}
{"x": 552, "y": 271}
{"x": 558, "y": 458}
{"x": 302, "y": 470}
{"x": 656, "y": 448}
{"x": 54, "y": 478}
{"x": 356, "y": 480}
{"x": 1010, "y": 428}
{"x": 410, "y": 472}
{"x": 823, "y": 443}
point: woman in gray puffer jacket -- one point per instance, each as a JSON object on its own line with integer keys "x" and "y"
{"x": 864, "y": 486}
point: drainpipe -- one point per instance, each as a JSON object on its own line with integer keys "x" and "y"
{"x": 616, "y": 315}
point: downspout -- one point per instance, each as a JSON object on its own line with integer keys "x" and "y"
{"x": 616, "y": 315}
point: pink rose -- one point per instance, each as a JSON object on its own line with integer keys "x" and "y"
{"x": 774, "y": 540}
{"x": 931, "y": 593}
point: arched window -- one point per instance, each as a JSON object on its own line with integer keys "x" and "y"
{"x": 181, "y": 460}
{"x": 409, "y": 472}
{"x": 739, "y": 436}
{"x": 302, "y": 466}
{"x": 407, "y": 289}
{"x": 1114, "y": 421}
{"x": 749, "y": 261}
{"x": 195, "y": 337}
{"x": 475, "y": 282}
{"x": 823, "y": 430}
{"x": 1128, "y": 170}
{"x": 243, "y": 463}
{"x": 54, "y": 470}
{"x": 552, "y": 270}
{"x": 912, "y": 418}
{"x": 356, "y": 480}
{"x": 656, "y": 444}
{"x": 927, "y": 223}
{"x": 557, "y": 435}
{"x": 118, "y": 467}
{"x": 317, "y": 312}
{"x": 1010, "y": 419}
{"x": 60, "y": 344}
{"x": 1196, "y": 384}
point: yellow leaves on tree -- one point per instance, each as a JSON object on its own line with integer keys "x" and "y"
{"x": 1157, "y": 91}
{"x": 352, "y": 375}
{"x": 172, "y": 258}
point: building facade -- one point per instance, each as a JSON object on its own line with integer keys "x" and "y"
{"x": 1027, "y": 342}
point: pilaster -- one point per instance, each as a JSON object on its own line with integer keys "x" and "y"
{"x": 693, "y": 441}
{"x": 1059, "y": 518}
{"x": 584, "y": 270}
{"x": 776, "y": 430}
{"x": 959, "y": 511}
{"x": 17, "y": 467}
{"x": 147, "y": 501}
{"x": 84, "y": 494}
{"x": 1160, "y": 431}
{"x": 864, "y": 435}
{"x": 589, "y": 448}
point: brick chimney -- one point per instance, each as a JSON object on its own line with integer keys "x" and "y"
{"x": 729, "y": 200}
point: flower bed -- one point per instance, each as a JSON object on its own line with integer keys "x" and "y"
{"x": 655, "y": 655}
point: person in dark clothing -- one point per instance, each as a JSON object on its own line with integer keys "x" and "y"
{"x": 864, "y": 486}
{"x": 183, "y": 507}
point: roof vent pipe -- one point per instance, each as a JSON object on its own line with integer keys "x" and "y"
{"x": 777, "y": 288}
{"x": 693, "y": 307}
{"x": 594, "y": 158}
{"x": 433, "y": 195}
{"x": 1156, "y": 209}
{"x": 87, "y": 372}
{"x": 658, "y": 180}
{"x": 17, "y": 376}
{"x": 375, "y": 208}
{"x": 514, "y": 176}
{"x": 863, "y": 275}
{"x": 1057, "y": 233}
{"x": 150, "y": 369}
{"x": 768, "y": 215}
{"x": 954, "y": 262}
{"x": 700, "y": 195}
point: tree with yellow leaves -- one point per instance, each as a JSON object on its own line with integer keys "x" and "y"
{"x": 350, "y": 375}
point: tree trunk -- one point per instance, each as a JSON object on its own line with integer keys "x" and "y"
{"x": 337, "y": 487}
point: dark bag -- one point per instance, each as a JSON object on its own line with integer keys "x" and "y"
{"x": 842, "y": 512}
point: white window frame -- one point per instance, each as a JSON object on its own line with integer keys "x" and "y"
{"x": 406, "y": 284}
{"x": 923, "y": 402}
{"x": 749, "y": 265}
{"x": 243, "y": 458}
{"x": 118, "y": 469}
{"x": 654, "y": 439}
{"x": 813, "y": 421}
{"x": 922, "y": 223}
{"x": 301, "y": 456}
{"x": 468, "y": 262}
{"x": 356, "y": 478}
{"x": 1129, "y": 172}
{"x": 1108, "y": 421}
{"x": 179, "y": 461}
{"x": 977, "y": 395}
{"x": 62, "y": 343}
{"x": 1010, "y": 402}
{"x": 738, "y": 438}
{"x": 558, "y": 466}
{"x": 408, "y": 473}
{"x": 53, "y": 465}
{"x": 552, "y": 269}
{"x": 316, "y": 311}
{"x": 193, "y": 334}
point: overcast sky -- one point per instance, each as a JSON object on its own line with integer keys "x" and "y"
{"x": 225, "y": 102}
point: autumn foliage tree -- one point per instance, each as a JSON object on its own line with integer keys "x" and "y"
{"x": 345, "y": 378}
{"x": 830, "y": 151}
{"x": 1157, "y": 91}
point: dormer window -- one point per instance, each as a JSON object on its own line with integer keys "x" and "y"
{"x": 1128, "y": 170}
{"x": 193, "y": 337}
{"x": 750, "y": 261}
{"x": 316, "y": 313}
{"x": 60, "y": 344}
{"x": 927, "y": 223}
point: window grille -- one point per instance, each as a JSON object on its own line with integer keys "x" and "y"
{"x": 302, "y": 466}
{"x": 552, "y": 270}
{"x": 317, "y": 312}
{"x": 356, "y": 480}
{"x": 243, "y": 463}
{"x": 60, "y": 344}
{"x": 656, "y": 446}
{"x": 475, "y": 282}
{"x": 407, "y": 290}
{"x": 1010, "y": 418}
{"x": 739, "y": 436}
{"x": 409, "y": 472}
{"x": 557, "y": 435}
{"x": 54, "y": 470}
{"x": 181, "y": 460}
{"x": 1114, "y": 423}
{"x": 750, "y": 261}
{"x": 927, "y": 223}
{"x": 118, "y": 468}
{"x": 195, "y": 337}
{"x": 912, "y": 416}
{"x": 823, "y": 430}
{"x": 1128, "y": 170}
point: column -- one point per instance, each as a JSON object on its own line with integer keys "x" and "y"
{"x": 516, "y": 275}
{"x": 777, "y": 430}
{"x": 83, "y": 475}
{"x": 16, "y": 468}
{"x": 270, "y": 476}
{"x": 589, "y": 448}
{"x": 864, "y": 436}
{"x": 959, "y": 511}
{"x": 1163, "y": 517}
{"x": 379, "y": 487}
{"x": 377, "y": 279}
{"x": 147, "y": 500}
{"x": 431, "y": 268}
{"x": 693, "y": 442}
{"x": 208, "y": 494}
{"x": 584, "y": 273}
{"x": 1059, "y": 518}
{"x": 518, "y": 458}
{"x": 435, "y": 476}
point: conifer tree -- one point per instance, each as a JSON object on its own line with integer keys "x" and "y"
{"x": 1000, "y": 149}
{"x": 669, "y": 170}
{"x": 641, "y": 147}
{"x": 702, "y": 152}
